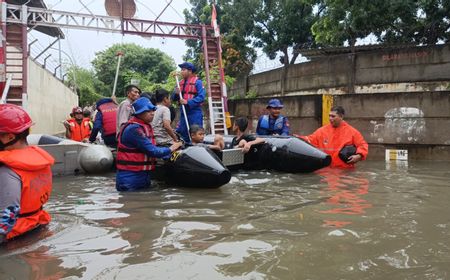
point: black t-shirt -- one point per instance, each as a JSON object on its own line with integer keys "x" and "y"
{"x": 246, "y": 137}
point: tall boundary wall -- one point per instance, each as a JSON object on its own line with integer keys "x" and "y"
{"x": 397, "y": 98}
{"x": 49, "y": 100}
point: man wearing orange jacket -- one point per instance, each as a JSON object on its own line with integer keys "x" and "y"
{"x": 341, "y": 141}
{"x": 78, "y": 128}
{"x": 25, "y": 176}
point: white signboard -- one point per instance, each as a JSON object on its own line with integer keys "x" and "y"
{"x": 401, "y": 155}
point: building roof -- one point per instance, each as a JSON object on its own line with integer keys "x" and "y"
{"x": 51, "y": 31}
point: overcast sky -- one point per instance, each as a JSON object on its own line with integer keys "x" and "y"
{"x": 82, "y": 45}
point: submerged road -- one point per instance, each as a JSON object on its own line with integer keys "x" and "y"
{"x": 378, "y": 221}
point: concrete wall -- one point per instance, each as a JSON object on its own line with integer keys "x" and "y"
{"x": 49, "y": 100}
{"x": 338, "y": 75}
{"x": 397, "y": 98}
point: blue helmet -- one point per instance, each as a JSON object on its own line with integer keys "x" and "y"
{"x": 142, "y": 105}
{"x": 274, "y": 103}
{"x": 188, "y": 66}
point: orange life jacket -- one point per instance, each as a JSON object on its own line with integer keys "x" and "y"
{"x": 331, "y": 140}
{"x": 79, "y": 132}
{"x": 132, "y": 159}
{"x": 190, "y": 91}
{"x": 32, "y": 164}
{"x": 109, "y": 114}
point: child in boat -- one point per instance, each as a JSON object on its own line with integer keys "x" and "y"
{"x": 243, "y": 140}
{"x": 198, "y": 135}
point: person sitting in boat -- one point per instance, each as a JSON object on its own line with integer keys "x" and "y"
{"x": 164, "y": 133}
{"x": 25, "y": 176}
{"x": 274, "y": 123}
{"x": 125, "y": 109}
{"x": 341, "y": 141}
{"x": 193, "y": 95}
{"x": 243, "y": 140}
{"x": 198, "y": 136}
{"x": 78, "y": 128}
{"x": 137, "y": 150}
{"x": 105, "y": 122}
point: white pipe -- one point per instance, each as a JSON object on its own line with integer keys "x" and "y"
{"x": 183, "y": 108}
{"x": 6, "y": 90}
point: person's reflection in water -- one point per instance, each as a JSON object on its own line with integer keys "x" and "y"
{"x": 345, "y": 190}
{"x": 137, "y": 226}
{"x": 38, "y": 263}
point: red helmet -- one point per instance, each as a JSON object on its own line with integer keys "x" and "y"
{"x": 77, "y": 110}
{"x": 13, "y": 119}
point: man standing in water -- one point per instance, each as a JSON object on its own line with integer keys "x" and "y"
{"x": 193, "y": 96}
{"x": 274, "y": 123}
{"x": 137, "y": 150}
{"x": 341, "y": 141}
{"x": 125, "y": 109}
{"x": 25, "y": 176}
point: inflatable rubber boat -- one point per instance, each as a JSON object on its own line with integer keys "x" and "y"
{"x": 191, "y": 167}
{"x": 280, "y": 153}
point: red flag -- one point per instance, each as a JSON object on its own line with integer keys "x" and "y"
{"x": 214, "y": 21}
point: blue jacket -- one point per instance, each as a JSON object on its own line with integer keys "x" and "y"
{"x": 133, "y": 136}
{"x": 271, "y": 126}
{"x": 194, "y": 104}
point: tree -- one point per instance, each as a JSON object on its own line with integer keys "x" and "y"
{"x": 86, "y": 85}
{"x": 146, "y": 64}
{"x": 343, "y": 21}
{"x": 281, "y": 25}
{"x": 236, "y": 25}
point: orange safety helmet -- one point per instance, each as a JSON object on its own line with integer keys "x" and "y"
{"x": 13, "y": 119}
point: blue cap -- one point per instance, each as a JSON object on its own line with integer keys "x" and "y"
{"x": 274, "y": 103}
{"x": 188, "y": 66}
{"x": 142, "y": 105}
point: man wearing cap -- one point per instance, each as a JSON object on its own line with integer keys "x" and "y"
{"x": 137, "y": 150}
{"x": 193, "y": 96}
{"x": 78, "y": 128}
{"x": 25, "y": 176}
{"x": 274, "y": 123}
{"x": 125, "y": 110}
{"x": 341, "y": 141}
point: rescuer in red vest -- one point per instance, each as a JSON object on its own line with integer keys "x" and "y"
{"x": 137, "y": 150}
{"x": 78, "y": 128}
{"x": 193, "y": 96}
{"x": 25, "y": 176}
{"x": 105, "y": 122}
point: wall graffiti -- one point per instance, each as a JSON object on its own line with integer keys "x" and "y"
{"x": 401, "y": 125}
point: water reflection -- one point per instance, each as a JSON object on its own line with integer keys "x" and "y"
{"x": 373, "y": 222}
{"x": 346, "y": 190}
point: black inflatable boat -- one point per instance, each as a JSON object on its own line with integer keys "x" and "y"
{"x": 193, "y": 167}
{"x": 280, "y": 153}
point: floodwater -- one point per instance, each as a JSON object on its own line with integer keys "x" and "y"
{"x": 378, "y": 221}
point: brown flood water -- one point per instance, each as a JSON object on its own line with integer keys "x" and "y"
{"x": 376, "y": 222}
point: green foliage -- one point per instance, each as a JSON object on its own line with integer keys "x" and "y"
{"x": 282, "y": 25}
{"x": 397, "y": 21}
{"x": 87, "y": 86}
{"x": 148, "y": 65}
{"x": 251, "y": 94}
{"x": 236, "y": 25}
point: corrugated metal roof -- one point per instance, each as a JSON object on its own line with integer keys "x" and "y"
{"x": 51, "y": 31}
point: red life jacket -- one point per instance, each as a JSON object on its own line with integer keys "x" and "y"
{"x": 190, "y": 91}
{"x": 132, "y": 159}
{"x": 79, "y": 132}
{"x": 109, "y": 114}
{"x": 32, "y": 164}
